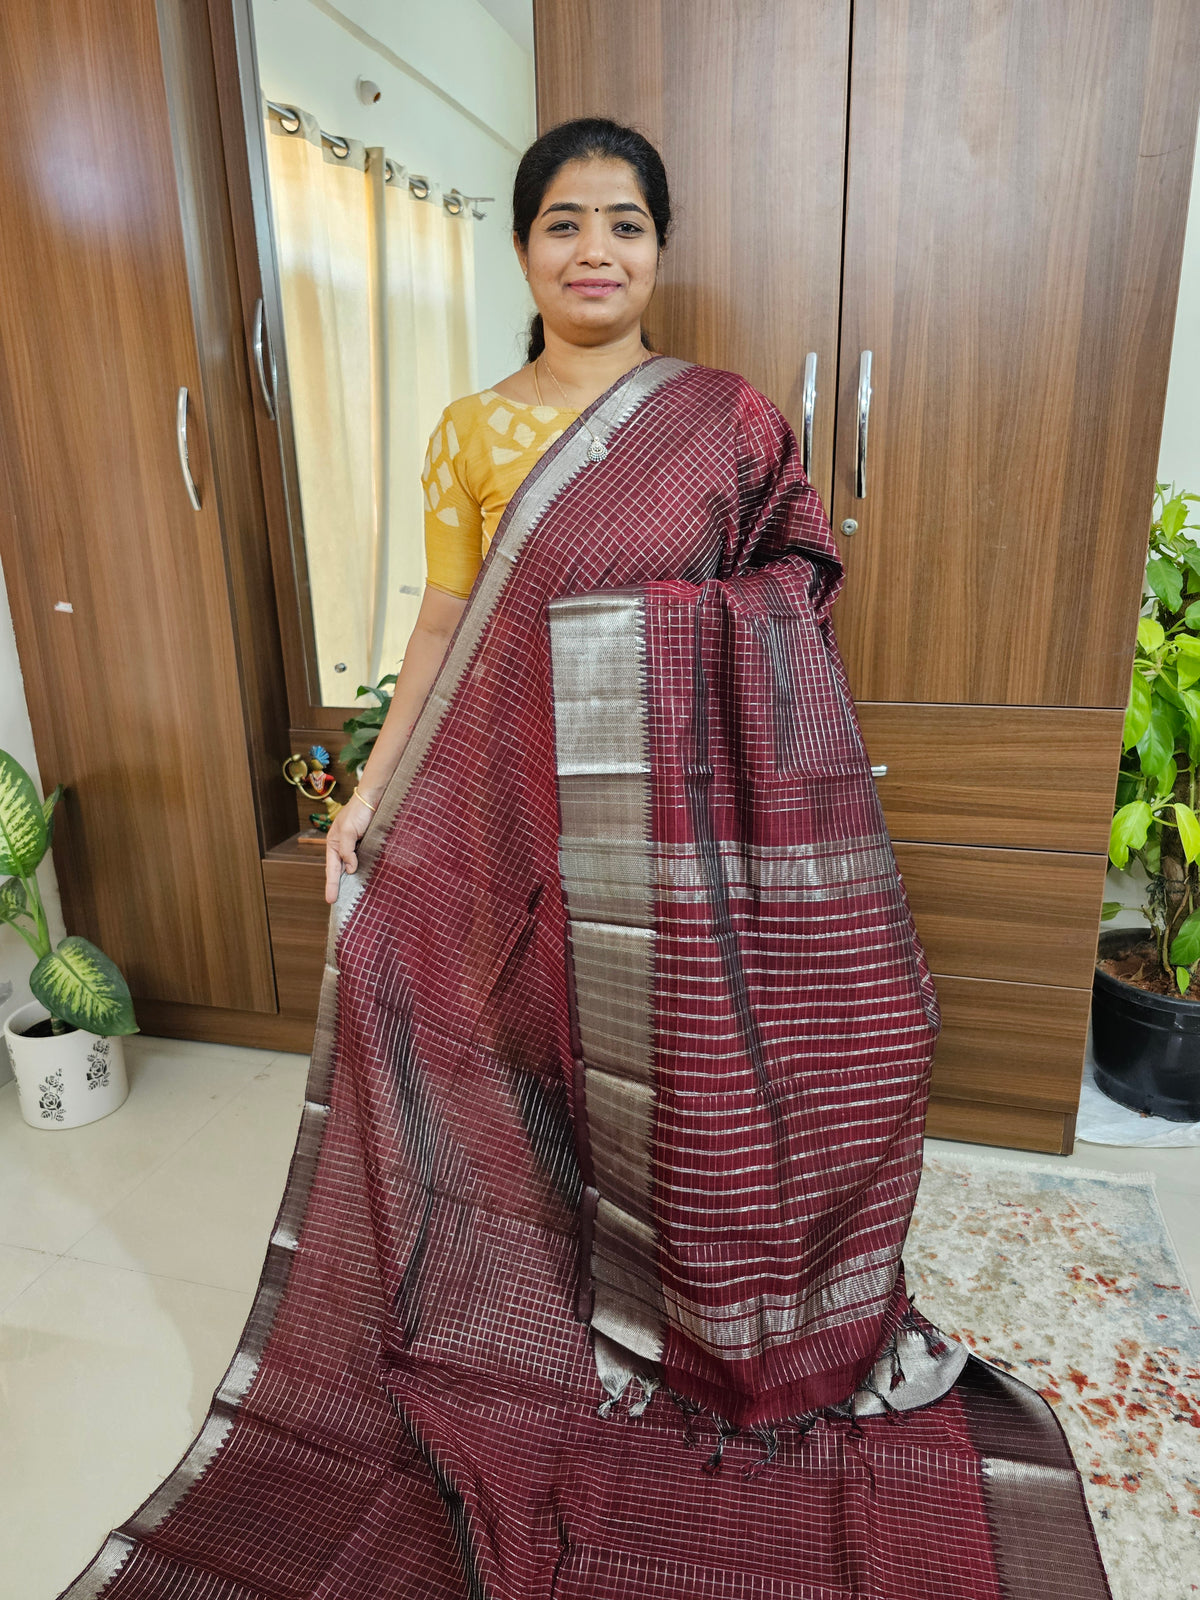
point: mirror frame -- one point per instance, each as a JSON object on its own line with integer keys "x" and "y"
{"x": 244, "y": 139}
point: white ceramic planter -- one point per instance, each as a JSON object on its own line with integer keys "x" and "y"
{"x": 66, "y": 1079}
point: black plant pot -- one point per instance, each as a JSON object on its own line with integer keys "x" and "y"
{"x": 1146, "y": 1046}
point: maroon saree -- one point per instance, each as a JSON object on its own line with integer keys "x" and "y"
{"x": 587, "y": 1281}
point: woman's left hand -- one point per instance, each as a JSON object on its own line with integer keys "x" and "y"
{"x": 341, "y": 843}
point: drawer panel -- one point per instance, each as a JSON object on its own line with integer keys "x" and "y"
{"x": 1015, "y": 916}
{"x": 1011, "y": 1043}
{"x": 250, "y": 1029}
{"x": 1013, "y": 1127}
{"x": 1034, "y": 777}
{"x": 298, "y": 914}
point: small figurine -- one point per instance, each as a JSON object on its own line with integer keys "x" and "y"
{"x": 310, "y": 774}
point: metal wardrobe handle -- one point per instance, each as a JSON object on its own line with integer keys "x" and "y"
{"x": 181, "y": 419}
{"x": 268, "y": 390}
{"x": 864, "y": 410}
{"x": 810, "y": 402}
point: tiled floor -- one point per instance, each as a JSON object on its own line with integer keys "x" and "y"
{"x": 129, "y": 1253}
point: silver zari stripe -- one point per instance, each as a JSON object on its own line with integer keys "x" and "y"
{"x": 598, "y": 650}
{"x": 614, "y": 968}
{"x": 629, "y": 1303}
{"x": 846, "y": 1292}
{"x": 835, "y": 869}
{"x": 607, "y": 867}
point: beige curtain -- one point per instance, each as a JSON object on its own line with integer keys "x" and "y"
{"x": 378, "y": 293}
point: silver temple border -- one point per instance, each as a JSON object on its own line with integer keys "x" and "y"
{"x": 602, "y": 759}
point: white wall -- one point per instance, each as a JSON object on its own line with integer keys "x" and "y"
{"x": 1178, "y": 458}
{"x": 1179, "y": 454}
{"x": 311, "y": 53}
{"x": 16, "y": 736}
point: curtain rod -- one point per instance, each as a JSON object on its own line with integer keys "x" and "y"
{"x": 420, "y": 188}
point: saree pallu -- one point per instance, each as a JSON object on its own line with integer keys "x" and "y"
{"x": 587, "y": 1280}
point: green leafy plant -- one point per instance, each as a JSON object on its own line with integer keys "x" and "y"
{"x": 363, "y": 727}
{"x": 1155, "y": 821}
{"x": 76, "y": 982}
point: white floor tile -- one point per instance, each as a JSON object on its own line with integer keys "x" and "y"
{"x": 56, "y": 1184}
{"x": 289, "y": 1058}
{"x": 107, "y": 1376}
{"x": 1179, "y": 1167}
{"x": 199, "y": 1054}
{"x": 18, "y": 1269}
{"x": 206, "y": 1214}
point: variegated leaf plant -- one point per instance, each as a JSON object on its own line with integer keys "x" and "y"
{"x": 1156, "y": 820}
{"x": 76, "y": 982}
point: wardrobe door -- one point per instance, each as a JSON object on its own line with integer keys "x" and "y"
{"x": 118, "y": 583}
{"x": 1017, "y": 187}
{"x": 747, "y": 104}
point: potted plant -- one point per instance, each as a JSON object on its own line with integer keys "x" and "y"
{"x": 1146, "y": 996}
{"x": 363, "y": 726}
{"x": 65, "y": 1044}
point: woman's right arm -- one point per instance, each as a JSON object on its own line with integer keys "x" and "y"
{"x": 436, "y": 621}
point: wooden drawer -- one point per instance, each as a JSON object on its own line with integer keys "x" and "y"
{"x": 299, "y": 918}
{"x": 251, "y": 1029}
{"x": 1011, "y": 1043}
{"x": 1029, "y": 776}
{"x": 1015, "y": 916}
{"x": 1012, "y": 1127}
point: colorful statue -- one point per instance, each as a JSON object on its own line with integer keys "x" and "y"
{"x": 310, "y": 774}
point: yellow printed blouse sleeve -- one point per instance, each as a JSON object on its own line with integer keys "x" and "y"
{"x": 453, "y": 517}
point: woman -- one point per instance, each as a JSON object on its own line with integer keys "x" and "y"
{"x": 589, "y": 234}
{"x": 614, "y": 1119}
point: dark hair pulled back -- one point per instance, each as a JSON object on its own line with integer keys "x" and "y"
{"x": 583, "y": 139}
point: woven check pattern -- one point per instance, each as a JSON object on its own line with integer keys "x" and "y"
{"x": 797, "y": 1020}
{"x": 414, "y": 1412}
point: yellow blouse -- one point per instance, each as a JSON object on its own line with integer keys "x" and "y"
{"x": 482, "y": 448}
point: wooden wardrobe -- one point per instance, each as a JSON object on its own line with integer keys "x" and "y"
{"x": 988, "y": 197}
{"x": 132, "y": 528}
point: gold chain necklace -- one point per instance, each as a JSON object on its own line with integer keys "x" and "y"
{"x": 597, "y": 450}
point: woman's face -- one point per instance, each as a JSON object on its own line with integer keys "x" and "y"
{"x": 593, "y": 252}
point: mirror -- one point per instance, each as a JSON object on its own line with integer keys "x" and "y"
{"x": 389, "y": 135}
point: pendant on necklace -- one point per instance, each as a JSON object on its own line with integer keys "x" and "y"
{"x": 597, "y": 450}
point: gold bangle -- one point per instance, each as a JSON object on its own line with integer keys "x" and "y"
{"x": 363, "y": 798}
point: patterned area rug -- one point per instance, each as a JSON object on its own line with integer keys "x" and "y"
{"x": 1068, "y": 1279}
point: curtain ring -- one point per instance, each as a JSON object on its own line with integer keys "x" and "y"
{"x": 455, "y": 203}
{"x": 334, "y": 140}
{"x": 419, "y": 188}
{"x": 289, "y": 118}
